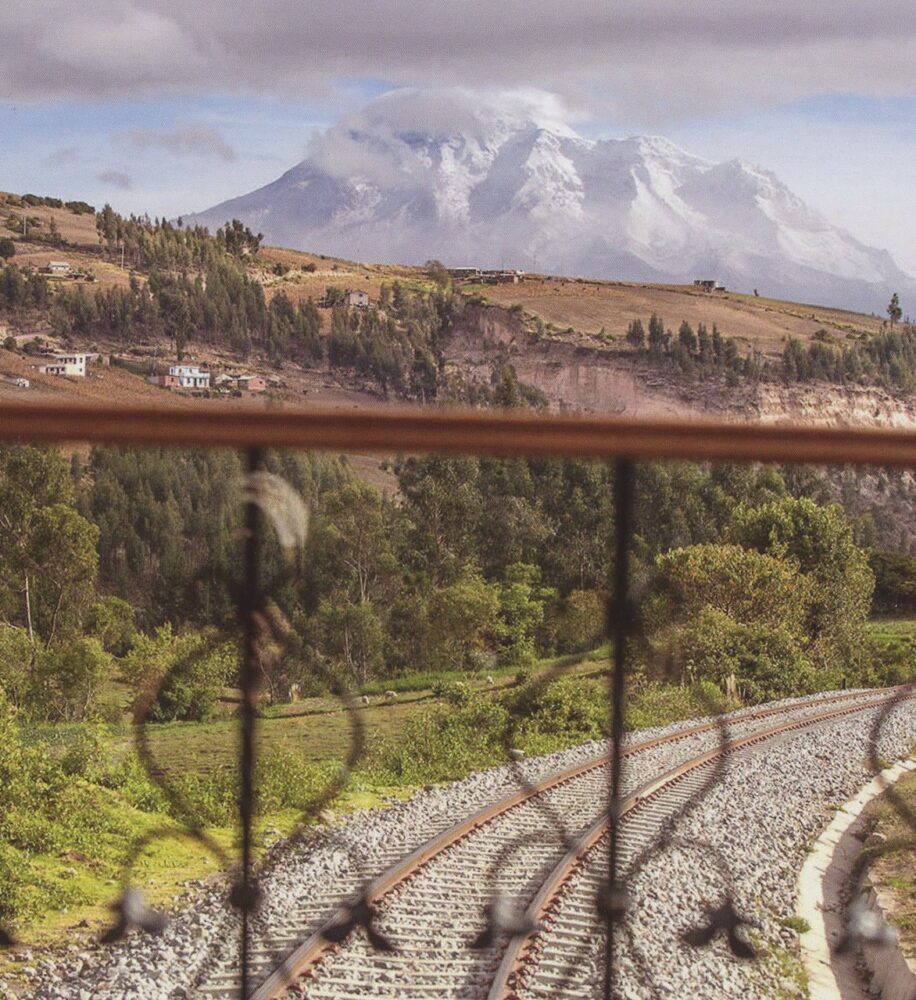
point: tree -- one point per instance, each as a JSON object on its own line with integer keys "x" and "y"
{"x": 747, "y": 586}
{"x": 442, "y": 504}
{"x": 819, "y": 542}
{"x": 893, "y": 309}
{"x": 687, "y": 338}
{"x": 7, "y": 248}
{"x": 353, "y": 546}
{"x": 521, "y": 611}
{"x": 111, "y": 621}
{"x": 48, "y": 562}
{"x": 658, "y": 338}
{"x": 895, "y": 581}
{"x": 437, "y": 272}
{"x": 352, "y": 636}
{"x": 580, "y": 621}
{"x": 237, "y": 239}
{"x": 68, "y": 679}
{"x": 636, "y": 334}
{"x": 458, "y": 616}
{"x": 766, "y": 662}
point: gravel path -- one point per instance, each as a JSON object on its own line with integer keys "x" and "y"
{"x": 765, "y": 846}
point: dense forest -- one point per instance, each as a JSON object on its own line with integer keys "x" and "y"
{"x": 116, "y": 563}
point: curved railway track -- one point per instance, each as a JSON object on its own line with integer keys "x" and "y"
{"x": 432, "y": 902}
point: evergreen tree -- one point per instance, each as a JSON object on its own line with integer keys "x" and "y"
{"x": 636, "y": 335}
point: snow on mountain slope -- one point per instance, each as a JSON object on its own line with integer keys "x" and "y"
{"x": 501, "y": 180}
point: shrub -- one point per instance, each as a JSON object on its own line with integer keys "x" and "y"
{"x": 210, "y": 799}
{"x": 16, "y": 657}
{"x": 87, "y": 754}
{"x": 457, "y": 693}
{"x": 580, "y": 621}
{"x": 568, "y": 707}
{"x": 766, "y": 661}
{"x": 660, "y": 704}
{"x": 287, "y": 780}
{"x": 24, "y": 893}
{"x": 187, "y": 671}
{"x": 129, "y": 778}
{"x": 444, "y": 743}
{"x": 68, "y": 678}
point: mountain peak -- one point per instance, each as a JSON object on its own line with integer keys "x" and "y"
{"x": 499, "y": 179}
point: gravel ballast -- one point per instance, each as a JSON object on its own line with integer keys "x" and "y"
{"x": 761, "y": 816}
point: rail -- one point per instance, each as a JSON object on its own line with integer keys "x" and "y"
{"x": 442, "y": 430}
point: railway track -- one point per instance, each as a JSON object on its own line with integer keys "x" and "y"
{"x": 432, "y": 903}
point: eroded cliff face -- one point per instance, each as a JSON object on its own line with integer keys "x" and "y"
{"x": 576, "y": 374}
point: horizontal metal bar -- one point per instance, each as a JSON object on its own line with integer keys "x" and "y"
{"x": 395, "y": 429}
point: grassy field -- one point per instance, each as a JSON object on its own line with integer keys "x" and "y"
{"x": 893, "y": 631}
{"x": 318, "y": 728}
{"x": 895, "y": 641}
{"x": 895, "y": 870}
{"x": 76, "y": 883}
{"x": 590, "y": 306}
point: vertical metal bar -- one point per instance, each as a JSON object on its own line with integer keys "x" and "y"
{"x": 250, "y": 605}
{"x": 617, "y": 628}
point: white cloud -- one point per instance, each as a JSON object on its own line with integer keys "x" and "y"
{"x": 633, "y": 58}
{"x": 395, "y": 117}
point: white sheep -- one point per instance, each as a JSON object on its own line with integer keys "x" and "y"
{"x": 390, "y": 695}
{"x": 365, "y": 699}
{"x": 490, "y": 681}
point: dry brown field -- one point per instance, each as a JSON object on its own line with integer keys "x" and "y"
{"x": 589, "y": 306}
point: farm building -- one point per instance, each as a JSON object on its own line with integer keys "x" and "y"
{"x": 709, "y": 285}
{"x": 359, "y": 298}
{"x": 190, "y": 376}
{"x": 66, "y": 364}
{"x": 56, "y": 267}
{"x": 251, "y": 383}
{"x": 464, "y": 272}
{"x": 166, "y": 381}
{"x": 502, "y": 277}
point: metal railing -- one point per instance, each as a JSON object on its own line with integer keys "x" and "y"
{"x": 411, "y": 431}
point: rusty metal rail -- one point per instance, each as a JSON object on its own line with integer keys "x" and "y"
{"x": 316, "y": 947}
{"x": 397, "y": 429}
{"x": 523, "y": 952}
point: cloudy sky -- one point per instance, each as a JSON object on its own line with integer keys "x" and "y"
{"x": 168, "y": 106}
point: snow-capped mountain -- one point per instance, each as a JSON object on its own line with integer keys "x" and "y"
{"x": 501, "y": 180}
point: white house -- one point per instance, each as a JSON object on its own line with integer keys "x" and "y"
{"x": 359, "y": 298}
{"x": 191, "y": 376}
{"x": 58, "y": 267}
{"x": 67, "y": 364}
